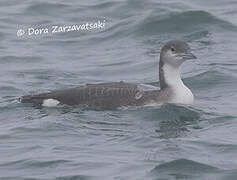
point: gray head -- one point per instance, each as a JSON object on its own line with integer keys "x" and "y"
{"x": 175, "y": 53}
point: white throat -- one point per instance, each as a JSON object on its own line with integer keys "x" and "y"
{"x": 182, "y": 94}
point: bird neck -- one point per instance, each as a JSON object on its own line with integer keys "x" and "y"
{"x": 170, "y": 79}
{"x": 169, "y": 76}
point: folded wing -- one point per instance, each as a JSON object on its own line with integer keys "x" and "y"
{"x": 104, "y": 95}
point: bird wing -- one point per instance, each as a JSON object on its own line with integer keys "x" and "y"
{"x": 103, "y": 95}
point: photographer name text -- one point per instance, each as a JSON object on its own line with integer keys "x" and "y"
{"x": 61, "y": 29}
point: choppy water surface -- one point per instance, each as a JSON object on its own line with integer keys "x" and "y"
{"x": 166, "y": 142}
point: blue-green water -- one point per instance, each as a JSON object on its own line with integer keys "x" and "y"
{"x": 165, "y": 142}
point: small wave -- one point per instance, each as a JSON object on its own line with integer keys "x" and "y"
{"x": 35, "y": 163}
{"x": 170, "y": 120}
{"x": 68, "y": 177}
{"x": 20, "y": 59}
{"x": 122, "y": 63}
{"x": 182, "y": 22}
{"x": 75, "y": 177}
{"x": 176, "y": 120}
{"x": 46, "y": 8}
{"x": 189, "y": 169}
{"x": 211, "y": 78}
{"x": 103, "y": 5}
{"x": 183, "y": 168}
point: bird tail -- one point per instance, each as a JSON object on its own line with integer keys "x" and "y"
{"x": 30, "y": 99}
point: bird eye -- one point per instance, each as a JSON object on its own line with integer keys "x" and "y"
{"x": 172, "y": 49}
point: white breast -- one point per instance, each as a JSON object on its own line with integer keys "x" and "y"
{"x": 181, "y": 93}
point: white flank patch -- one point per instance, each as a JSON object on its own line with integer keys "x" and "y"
{"x": 50, "y": 102}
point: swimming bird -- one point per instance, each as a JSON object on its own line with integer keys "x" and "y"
{"x": 121, "y": 94}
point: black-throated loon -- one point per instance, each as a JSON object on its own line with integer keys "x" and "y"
{"x": 120, "y": 94}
